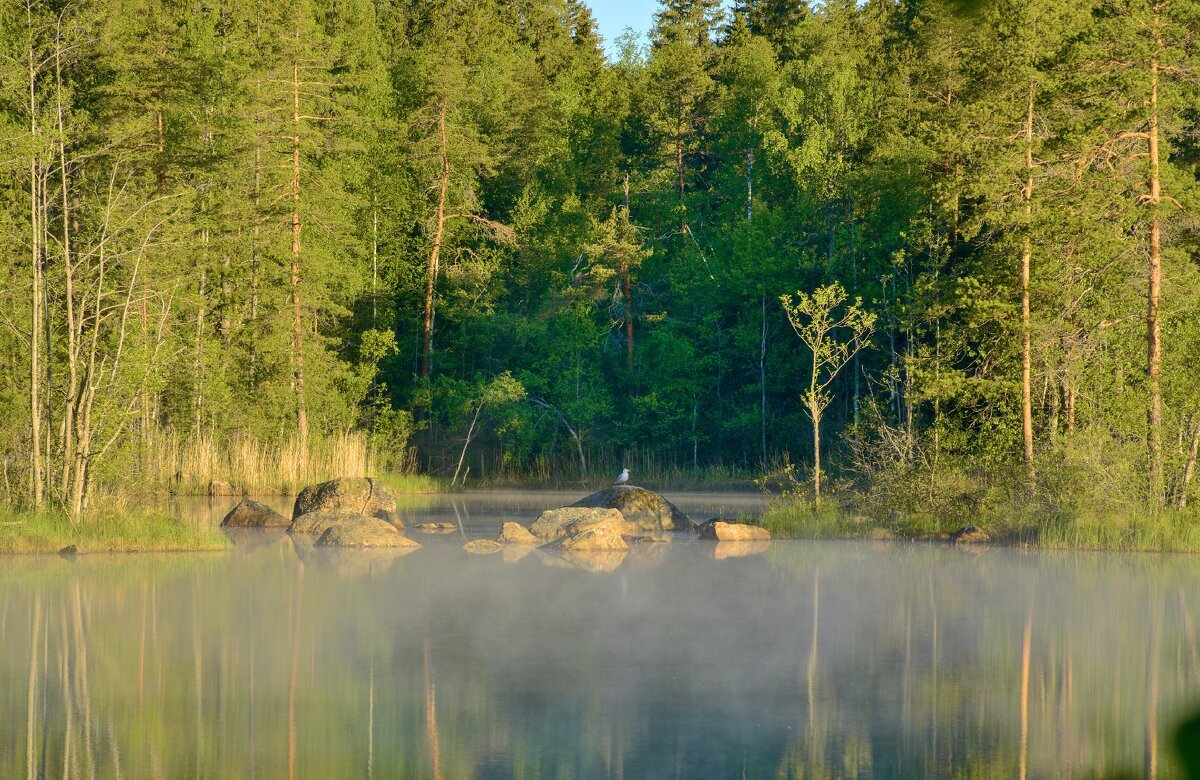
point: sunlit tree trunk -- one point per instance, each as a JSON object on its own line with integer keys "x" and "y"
{"x": 297, "y": 319}
{"x": 1026, "y": 260}
{"x": 35, "y": 296}
{"x": 1154, "y": 278}
{"x": 439, "y": 229}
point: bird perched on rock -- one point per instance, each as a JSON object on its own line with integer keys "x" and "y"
{"x": 623, "y": 477}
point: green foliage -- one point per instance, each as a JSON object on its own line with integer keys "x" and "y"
{"x": 232, "y": 213}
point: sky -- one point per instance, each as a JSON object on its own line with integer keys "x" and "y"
{"x": 614, "y": 16}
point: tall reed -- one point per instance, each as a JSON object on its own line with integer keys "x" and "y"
{"x": 188, "y": 465}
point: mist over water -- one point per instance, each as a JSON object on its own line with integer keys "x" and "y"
{"x": 849, "y": 659}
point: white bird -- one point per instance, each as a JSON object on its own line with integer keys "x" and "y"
{"x": 623, "y": 477}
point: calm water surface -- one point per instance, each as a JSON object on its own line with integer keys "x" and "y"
{"x": 682, "y": 659}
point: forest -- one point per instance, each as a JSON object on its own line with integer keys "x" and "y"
{"x": 952, "y": 247}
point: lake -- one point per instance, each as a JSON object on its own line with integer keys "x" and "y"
{"x": 680, "y": 659}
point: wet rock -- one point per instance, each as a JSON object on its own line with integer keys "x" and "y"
{"x": 251, "y": 514}
{"x": 557, "y": 523}
{"x": 881, "y": 535}
{"x": 70, "y": 551}
{"x": 220, "y": 487}
{"x": 645, "y": 509}
{"x": 317, "y": 523}
{"x": 483, "y": 546}
{"x": 595, "y": 538}
{"x": 360, "y": 494}
{"x": 648, "y": 540}
{"x": 367, "y": 532}
{"x": 436, "y": 528}
{"x": 723, "y": 531}
{"x": 969, "y": 534}
{"x": 515, "y": 533}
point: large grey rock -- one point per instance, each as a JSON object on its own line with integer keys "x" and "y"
{"x": 367, "y": 532}
{"x": 317, "y": 523}
{"x": 360, "y": 494}
{"x": 724, "y": 531}
{"x": 251, "y": 514}
{"x": 557, "y": 523}
{"x": 483, "y": 546}
{"x": 645, "y": 509}
{"x": 594, "y": 538}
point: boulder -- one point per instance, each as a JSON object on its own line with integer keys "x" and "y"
{"x": 596, "y": 538}
{"x": 515, "y": 533}
{"x": 557, "y": 523}
{"x": 483, "y": 546}
{"x": 723, "y": 531}
{"x": 251, "y": 514}
{"x": 367, "y": 532}
{"x": 220, "y": 487}
{"x": 645, "y": 509}
{"x": 360, "y": 494}
{"x": 317, "y": 523}
{"x": 436, "y": 528}
{"x": 969, "y": 534}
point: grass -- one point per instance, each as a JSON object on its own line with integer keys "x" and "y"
{"x": 410, "y": 483}
{"x": 48, "y": 532}
{"x": 1134, "y": 529}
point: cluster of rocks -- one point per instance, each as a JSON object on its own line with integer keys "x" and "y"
{"x": 599, "y": 530}
{"x": 345, "y": 512}
{"x": 595, "y": 532}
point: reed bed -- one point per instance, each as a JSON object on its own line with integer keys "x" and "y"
{"x": 104, "y": 531}
{"x": 190, "y": 465}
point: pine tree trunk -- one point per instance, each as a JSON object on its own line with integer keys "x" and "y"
{"x": 762, "y": 378}
{"x": 1153, "y": 326}
{"x": 35, "y": 296}
{"x": 297, "y": 321}
{"x": 628, "y": 294}
{"x": 1026, "y": 260}
{"x": 438, "y": 233}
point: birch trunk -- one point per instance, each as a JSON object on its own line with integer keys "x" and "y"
{"x": 439, "y": 230}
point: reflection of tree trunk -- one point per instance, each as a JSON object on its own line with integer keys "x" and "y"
{"x": 64, "y": 654}
{"x": 371, "y": 722}
{"x": 431, "y": 724}
{"x": 295, "y": 664}
{"x": 812, "y": 660}
{"x": 1024, "y": 707}
{"x": 1150, "y": 768}
{"x": 82, "y": 685}
{"x": 30, "y": 734}
{"x": 142, "y": 646}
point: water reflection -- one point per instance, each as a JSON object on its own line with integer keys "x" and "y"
{"x": 810, "y": 659}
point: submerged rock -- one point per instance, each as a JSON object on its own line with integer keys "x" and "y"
{"x": 436, "y": 528}
{"x": 969, "y": 534}
{"x": 515, "y": 533}
{"x": 645, "y": 509}
{"x": 483, "y": 546}
{"x": 360, "y": 494}
{"x": 251, "y": 514}
{"x": 723, "y": 531}
{"x": 368, "y": 532}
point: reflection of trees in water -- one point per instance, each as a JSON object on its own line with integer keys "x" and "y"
{"x": 822, "y": 659}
